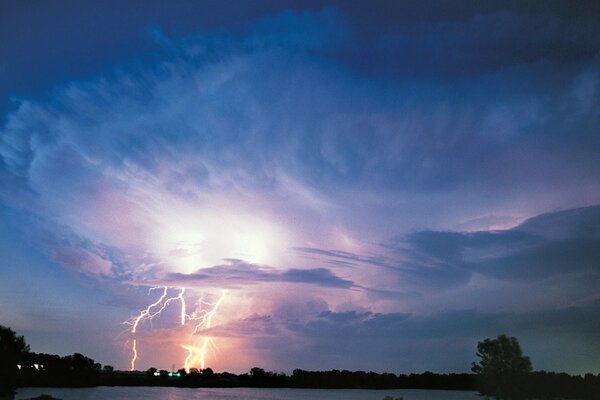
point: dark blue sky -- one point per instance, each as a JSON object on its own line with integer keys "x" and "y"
{"x": 376, "y": 186}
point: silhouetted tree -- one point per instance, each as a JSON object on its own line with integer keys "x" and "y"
{"x": 257, "y": 372}
{"x": 13, "y": 349}
{"x": 261, "y": 378}
{"x": 502, "y": 369}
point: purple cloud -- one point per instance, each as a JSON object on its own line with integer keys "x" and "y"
{"x": 238, "y": 273}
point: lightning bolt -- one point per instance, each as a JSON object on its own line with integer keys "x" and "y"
{"x": 147, "y": 312}
{"x": 134, "y": 358}
{"x": 152, "y": 311}
{"x": 208, "y": 324}
{"x": 201, "y": 318}
{"x": 183, "y": 307}
{"x": 187, "y": 363}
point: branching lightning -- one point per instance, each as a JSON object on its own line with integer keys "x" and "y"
{"x": 202, "y": 319}
{"x": 147, "y": 313}
{"x": 208, "y": 324}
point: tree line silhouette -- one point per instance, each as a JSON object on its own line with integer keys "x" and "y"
{"x": 503, "y": 372}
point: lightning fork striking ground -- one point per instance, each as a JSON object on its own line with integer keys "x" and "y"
{"x": 150, "y": 312}
{"x": 134, "y": 358}
{"x": 202, "y": 319}
{"x": 208, "y": 323}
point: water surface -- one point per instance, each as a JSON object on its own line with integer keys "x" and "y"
{"x": 171, "y": 393}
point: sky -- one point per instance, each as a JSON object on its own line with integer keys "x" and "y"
{"x": 323, "y": 185}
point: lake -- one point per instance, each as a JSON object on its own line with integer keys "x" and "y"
{"x": 171, "y": 393}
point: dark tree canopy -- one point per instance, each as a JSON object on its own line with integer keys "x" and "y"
{"x": 12, "y": 350}
{"x": 502, "y": 367}
{"x": 10, "y": 343}
{"x": 501, "y": 356}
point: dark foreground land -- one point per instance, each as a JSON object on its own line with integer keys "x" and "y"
{"x": 536, "y": 385}
{"x": 21, "y": 368}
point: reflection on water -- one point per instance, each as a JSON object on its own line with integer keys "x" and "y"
{"x": 170, "y": 393}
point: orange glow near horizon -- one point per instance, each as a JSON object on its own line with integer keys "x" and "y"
{"x": 188, "y": 360}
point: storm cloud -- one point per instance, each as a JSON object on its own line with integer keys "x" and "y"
{"x": 560, "y": 243}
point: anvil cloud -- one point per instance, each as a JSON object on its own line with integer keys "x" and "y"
{"x": 390, "y": 179}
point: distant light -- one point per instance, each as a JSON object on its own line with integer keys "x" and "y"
{"x": 19, "y": 366}
{"x": 157, "y": 373}
{"x": 36, "y": 366}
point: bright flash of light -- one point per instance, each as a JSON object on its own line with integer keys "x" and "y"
{"x": 147, "y": 312}
{"x": 203, "y": 238}
{"x": 183, "y": 307}
{"x": 202, "y": 319}
{"x": 188, "y": 362}
{"x": 134, "y": 358}
{"x": 208, "y": 324}
{"x": 152, "y": 311}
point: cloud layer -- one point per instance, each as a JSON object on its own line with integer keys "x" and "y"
{"x": 237, "y": 273}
